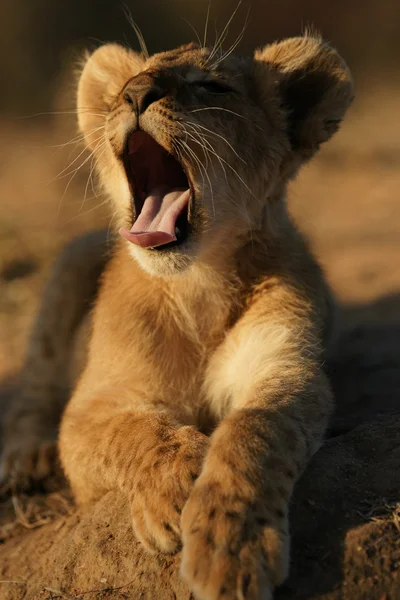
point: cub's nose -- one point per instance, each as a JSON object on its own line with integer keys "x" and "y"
{"x": 142, "y": 90}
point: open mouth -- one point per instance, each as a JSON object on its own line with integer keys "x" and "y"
{"x": 161, "y": 192}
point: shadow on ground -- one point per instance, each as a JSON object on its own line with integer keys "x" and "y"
{"x": 345, "y": 515}
{"x": 345, "y": 527}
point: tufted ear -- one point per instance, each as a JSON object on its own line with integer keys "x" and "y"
{"x": 102, "y": 77}
{"x": 314, "y": 84}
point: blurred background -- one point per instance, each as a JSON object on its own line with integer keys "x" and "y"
{"x": 346, "y": 200}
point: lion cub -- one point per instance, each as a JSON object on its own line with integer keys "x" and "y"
{"x": 203, "y": 396}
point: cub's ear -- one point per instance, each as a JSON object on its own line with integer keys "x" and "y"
{"x": 102, "y": 76}
{"x": 314, "y": 85}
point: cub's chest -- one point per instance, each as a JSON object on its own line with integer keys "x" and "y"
{"x": 172, "y": 340}
{"x": 178, "y": 344}
{"x": 164, "y": 334}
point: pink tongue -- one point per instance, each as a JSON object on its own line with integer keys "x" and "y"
{"x": 155, "y": 225}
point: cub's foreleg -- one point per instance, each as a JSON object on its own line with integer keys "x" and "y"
{"x": 267, "y": 379}
{"x": 105, "y": 443}
{"x": 29, "y": 431}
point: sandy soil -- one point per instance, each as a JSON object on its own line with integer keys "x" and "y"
{"x": 345, "y": 515}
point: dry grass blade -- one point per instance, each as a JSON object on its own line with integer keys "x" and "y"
{"x": 68, "y": 595}
{"x": 23, "y": 519}
{"x": 55, "y": 593}
{"x": 106, "y": 589}
{"x": 389, "y": 512}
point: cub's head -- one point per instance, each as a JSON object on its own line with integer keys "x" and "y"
{"x": 196, "y": 146}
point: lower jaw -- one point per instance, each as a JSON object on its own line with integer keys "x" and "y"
{"x": 165, "y": 261}
{"x": 174, "y": 246}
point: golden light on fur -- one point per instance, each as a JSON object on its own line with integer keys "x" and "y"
{"x": 203, "y": 396}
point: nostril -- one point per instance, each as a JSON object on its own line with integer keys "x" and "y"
{"x": 128, "y": 98}
{"x": 150, "y": 96}
{"x": 140, "y": 96}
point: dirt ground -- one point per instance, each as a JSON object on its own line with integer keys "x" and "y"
{"x": 345, "y": 515}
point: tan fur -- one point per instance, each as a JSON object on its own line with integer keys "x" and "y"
{"x": 204, "y": 397}
{"x": 55, "y": 356}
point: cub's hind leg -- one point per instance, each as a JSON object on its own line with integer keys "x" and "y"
{"x": 30, "y": 425}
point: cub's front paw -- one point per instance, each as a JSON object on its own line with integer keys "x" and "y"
{"x": 26, "y": 461}
{"x": 162, "y": 485}
{"x": 233, "y": 548}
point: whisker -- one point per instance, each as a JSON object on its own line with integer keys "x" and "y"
{"x": 219, "y": 136}
{"x": 62, "y": 173}
{"x": 204, "y": 143}
{"x": 98, "y": 147}
{"x": 235, "y": 43}
{"x": 228, "y": 52}
{"x": 224, "y": 33}
{"x": 197, "y": 160}
{"x": 79, "y": 215}
{"x": 93, "y": 164}
{"x": 75, "y": 147}
{"x": 193, "y": 29}
{"x": 76, "y": 140}
{"x": 229, "y": 111}
{"x": 91, "y": 177}
{"x": 199, "y": 141}
{"x": 206, "y": 25}
{"x": 74, "y": 111}
{"x": 114, "y": 214}
{"x": 189, "y": 152}
{"x": 239, "y": 177}
{"x": 199, "y": 136}
{"x": 221, "y": 160}
{"x": 210, "y": 148}
{"x": 136, "y": 29}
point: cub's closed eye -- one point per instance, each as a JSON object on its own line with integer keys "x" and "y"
{"x": 213, "y": 87}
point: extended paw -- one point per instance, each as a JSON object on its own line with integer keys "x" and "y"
{"x": 162, "y": 485}
{"x": 233, "y": 549}
{"x": 26, "y": 461}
